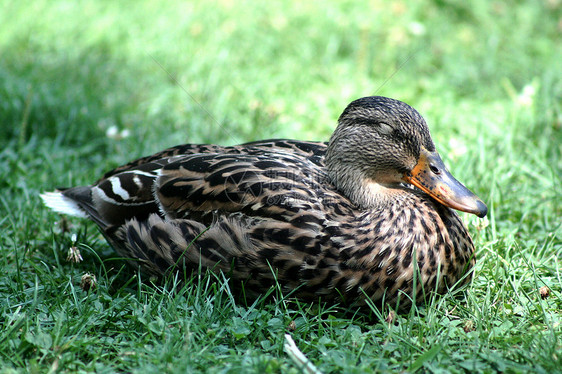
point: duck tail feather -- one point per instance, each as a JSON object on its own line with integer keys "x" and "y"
{"x": 60, "y": 203}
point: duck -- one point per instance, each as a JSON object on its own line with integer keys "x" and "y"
{"x": 367, "y": 217}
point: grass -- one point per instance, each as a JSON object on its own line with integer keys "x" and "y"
{"x": 485, "y": 75}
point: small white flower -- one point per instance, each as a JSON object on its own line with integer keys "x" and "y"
{"x": 125, "y": 133}
{"x": 112, "y": 132}
{"x": 416, "y": 28}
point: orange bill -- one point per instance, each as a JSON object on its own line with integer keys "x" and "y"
{"x": 431, "y": 176}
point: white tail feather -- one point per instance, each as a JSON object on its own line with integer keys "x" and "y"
{"x": 62, "y": 204}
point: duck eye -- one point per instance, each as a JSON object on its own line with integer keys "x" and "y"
{"x": 434, "y": 169}
{"x": 385, "y": 128}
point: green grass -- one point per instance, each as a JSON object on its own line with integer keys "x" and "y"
{"x": 486, "y": 76}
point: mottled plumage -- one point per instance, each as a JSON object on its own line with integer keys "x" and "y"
{"x": 333, "y": 220}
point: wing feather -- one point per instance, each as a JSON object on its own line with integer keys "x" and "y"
{"x": 255, "y": 184}
{"x": 269, "y": 178}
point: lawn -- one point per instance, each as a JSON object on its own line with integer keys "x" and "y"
{"x": 88, "y": 85}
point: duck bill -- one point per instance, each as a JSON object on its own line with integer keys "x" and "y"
{"x": 431, "y": 176}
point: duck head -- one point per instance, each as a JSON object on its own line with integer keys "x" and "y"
{"x": 380, "y": 143}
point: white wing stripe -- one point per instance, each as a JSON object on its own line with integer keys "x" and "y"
{"x": 117, "y": 189}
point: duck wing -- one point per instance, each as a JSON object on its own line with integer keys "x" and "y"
{"x": 257, "y": 183}
{"x": 314, "y": 151}
{"x": 131, "y": 191}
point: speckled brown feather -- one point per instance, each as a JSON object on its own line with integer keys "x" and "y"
{"x": 269, "y": 210}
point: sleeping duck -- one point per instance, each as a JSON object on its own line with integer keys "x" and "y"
{"x": 368, "y": 215}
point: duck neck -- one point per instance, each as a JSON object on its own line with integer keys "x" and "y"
{"x": 364, "y": 192}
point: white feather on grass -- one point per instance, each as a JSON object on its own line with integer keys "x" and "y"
{"x": 298, "y": 357}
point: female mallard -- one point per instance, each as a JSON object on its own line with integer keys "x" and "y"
{"x": 332, "y": 220}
